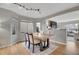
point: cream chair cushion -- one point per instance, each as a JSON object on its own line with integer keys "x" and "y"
{"x": 36, "y": 41}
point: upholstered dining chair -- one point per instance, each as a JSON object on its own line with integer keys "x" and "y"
{"x": 33, "y": 41}
{"x": 27, "y": 41}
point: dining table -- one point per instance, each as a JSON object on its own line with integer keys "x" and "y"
{"x": 42, "y": 38}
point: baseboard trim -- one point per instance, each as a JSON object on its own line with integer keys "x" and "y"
{"x": 59, "y": 42}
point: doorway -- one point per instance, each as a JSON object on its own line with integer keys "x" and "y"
{"x": 72, "y": 30}
{"x": 14, "y": 31}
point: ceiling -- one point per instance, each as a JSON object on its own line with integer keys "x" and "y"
{"x": 47, "y": 10}
{"x": 68, "y": 17}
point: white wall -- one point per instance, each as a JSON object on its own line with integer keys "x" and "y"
{"x": 60, "y": 35}
{"x": 78, "y": 27}
{"x": 5, "y": 33}
{"x": 43, "y": 25}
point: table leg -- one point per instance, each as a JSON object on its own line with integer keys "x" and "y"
{"x": 41, "y": 46}
{"x": 47, "y": 42}
{"x": 44, "y": 44}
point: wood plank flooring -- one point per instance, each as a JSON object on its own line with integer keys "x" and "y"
{"x": 16, "y": 49}
{"x": 70, "y": 48}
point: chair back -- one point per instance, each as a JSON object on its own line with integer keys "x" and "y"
{"x": 31, "y": 38}
{"x": 26, "y": 37}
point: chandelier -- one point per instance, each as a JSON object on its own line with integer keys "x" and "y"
{"x": 27, "y": 9}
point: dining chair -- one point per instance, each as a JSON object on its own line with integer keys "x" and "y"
{"x": 27, "y": 41}
{"x": 33, "y": 41}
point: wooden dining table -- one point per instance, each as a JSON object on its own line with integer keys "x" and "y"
{"x": 42, "y": 38}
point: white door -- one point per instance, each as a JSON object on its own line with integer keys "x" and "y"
{"x": 14, "y": 29}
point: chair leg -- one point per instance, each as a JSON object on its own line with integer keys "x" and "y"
{"x": 44, "y": 44}
{"x": 47, "y": 42}
{"x": 41, "y": 47}
{"x": 33, "y": 48}
{"x": 29, "y": 44}
{"x": 25, "y": 43}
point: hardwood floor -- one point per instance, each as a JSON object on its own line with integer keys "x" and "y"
{"x": 71, "y": 48}
{"x": 17, "y": 49}
{"x": 59, "y": 50}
